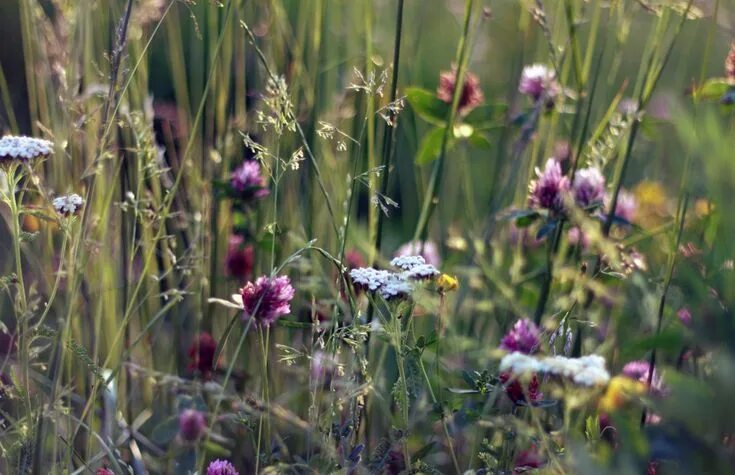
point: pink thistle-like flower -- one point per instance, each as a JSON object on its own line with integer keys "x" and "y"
{"x": 354, "y": 259}
{"x": 221, "y": 467}
{"x": 639, "y": 370}
{"x": 527, "y": 460}
{"x": 523, "y": 337}
{"x": 201, "y": 354}
{"x": 240, "y": 258}
{"x": 589, "y": 187}
{"x": 248, "y": 180}
{"x": 516, "y": 392}
{"x": 548, "y": 189}
{"x": 471, "y": 95}
{"x": 576, "y": 236}
{"x": 104, "y": 471}
{"x": 730, "y": 64}
{"x": 192, "y": 424}
{"x": 537, "y": 80}
{"x": 627, "y": 205}
{"x": 267, "y": 299}
{"x": 426, "y": 249}
{"x": 685, "y": 316}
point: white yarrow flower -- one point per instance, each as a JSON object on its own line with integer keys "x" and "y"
{"x": 586, "y": 371}
{"x": 407, "y": 262}
{"x": 369, "y": 278}
{"x": 24, "y": 148}
{"x": 394, "y": 286}
{"x": 68, "y": 204}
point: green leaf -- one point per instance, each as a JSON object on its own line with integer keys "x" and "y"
{"x": 430, "y": 147}
{"x": 486, "y": 115}
{"x": 428, "y": 106}
{"x": 165, "y": 431}
{"x": 712, "y": 90}
{"x": 213, "y": 449}
{"x": 480, "y": 141}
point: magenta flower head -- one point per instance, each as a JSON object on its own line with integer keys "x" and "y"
{"x": 685, "y": 316}
{"x": 248, "y": 180}
{"x": 221, "y": 467}
{"x": 537, "y": 80}
{"x": 267, "y": 299}
{"x": 639, "y": 370}
{"x": 426, "y": 249}
{"x": 201, "y": 355}
{"x": 523, "y": 337}
{"x": 471, "y": 95}
{"x": 239, "y": 259}
{"x": 104, "y": 471}
{"x": 589, "y": 187}
{"x": 192, "y": 424}
{"x": 548, "y": 189}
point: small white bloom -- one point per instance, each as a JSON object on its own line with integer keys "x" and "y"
{"x": 368, "y": 277}
{"x": 24, "y": 148}
{"x": 519, "y": 363}
{"x": 422, "y": 272}
{"x": 395, "y": 286}
{"x": 586, "y": 371}
{"x": 68, "y": 204}
{"x": 408, "y": 262}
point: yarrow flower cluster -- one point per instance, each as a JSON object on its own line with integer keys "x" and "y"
{"x": 471, "y": 95}
{"x": 391, "y": 285}
{"x": 24, "y": 148}
{"x": 588, "y": 188}
{"x": 221, "y": 467}
{"x": 247, "y": 179}
{"x": 68, "y": 205}
{"x": 523, "y": 338}
{"x": 538, "y": 80}
{"x": 548, "y": 189}
{"x": 267, "y": 299}
{"x": 586, "y": 371}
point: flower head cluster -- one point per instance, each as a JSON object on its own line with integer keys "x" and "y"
{"x": 24, "y": 148}
{"x": 240, "y": 257}
{"x": 523, "y": 338}
{"x": 426, "y": 249}
{"x": 391, "y": 285}
{"x": 588, "y": 188}
{"x": 267, "y": 299}
{"x": 221, "y": 467}
{"x": 627, "y": 206}
{"x": 471, "y": 95}
{"x": 192, "y": 424}
{"x": 640, "y": 371}
{"x": 586, "y": 370}
{"x": 247, "y": 179}
{"x": 548, "y": 189}
{"x": 68, "y": 205}
{"x": 201, "y": 354}
{"x": 537, "y": 81}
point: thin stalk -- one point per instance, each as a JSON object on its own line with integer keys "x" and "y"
{"x": 431, "y": 195}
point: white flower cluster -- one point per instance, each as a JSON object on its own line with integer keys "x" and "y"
{"x": 24, "y": 148}
{"x": 394, "y": 284}
{"x": 68, "y": 204}
{"x": 586, "y": 370}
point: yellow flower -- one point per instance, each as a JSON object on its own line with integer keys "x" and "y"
{"x": 620, "y": 390}
{"x": 446, "y": 283}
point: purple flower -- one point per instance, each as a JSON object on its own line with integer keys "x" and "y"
{"x": 192, "y": 424}
{"x": 426, "y": 249}
{"x": 471, "y": 95}
{"x": 685, "y": 316}
{"x": 267, "y": 299}
{"x": 537, "y": 80}
{"x": 104, "y": 471}
{"x": 548, "y": 189}
{"x": 523, "y": 337}
{"x": 576, "y": 236}
{"x": 589, "y": 187}
{"x": 323, "y": 368}
{"x": 240, "y": 257}
{"x": 221, "y": 467}
{"x": 639, "y": 370}
{"x": 627, "y": 206}
{"x": 247, "y": 179}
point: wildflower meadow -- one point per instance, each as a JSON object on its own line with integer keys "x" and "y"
{"x": 367, "y": 237}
